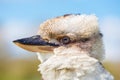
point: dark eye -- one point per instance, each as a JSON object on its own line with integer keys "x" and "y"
{"x": 84, "y": 39}
{"x": 65, "y": 40}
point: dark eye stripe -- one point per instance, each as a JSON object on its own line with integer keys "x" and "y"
{"x": 85, "y": 39}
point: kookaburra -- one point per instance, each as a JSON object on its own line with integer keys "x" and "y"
{"x": 70, "y": 47}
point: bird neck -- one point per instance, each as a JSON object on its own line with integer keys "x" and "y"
{"x": 43, "y": 57}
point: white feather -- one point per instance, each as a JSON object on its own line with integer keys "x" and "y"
{"x": 76, "y": 66}
{"x": 42, "y": 56}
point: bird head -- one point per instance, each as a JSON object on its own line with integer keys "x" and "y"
{"x": 68, "y": 32}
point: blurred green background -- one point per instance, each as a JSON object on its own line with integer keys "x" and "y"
{"x": 21, "y": 18}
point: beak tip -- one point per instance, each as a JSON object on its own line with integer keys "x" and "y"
{"x": 14, "y": 41}
{"x": 21, "y": 41}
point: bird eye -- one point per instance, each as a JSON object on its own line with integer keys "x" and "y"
{"x": 65, "y": 40}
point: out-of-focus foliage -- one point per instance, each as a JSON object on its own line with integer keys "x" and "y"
{"x": 19, "y": 69}
{"x": 113, "y": 68}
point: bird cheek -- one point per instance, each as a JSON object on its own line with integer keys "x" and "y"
{"x": 59, "y": 49}
{"x": 85, "y": 46}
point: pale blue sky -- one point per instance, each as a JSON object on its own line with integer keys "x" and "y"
{"x": 21, "y": 18}
{"x": 37, "y": 9}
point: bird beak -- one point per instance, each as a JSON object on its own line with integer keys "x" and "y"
{"x": 35, "y": 44}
